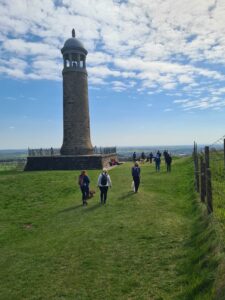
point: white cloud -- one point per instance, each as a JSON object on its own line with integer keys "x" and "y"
{"x": 168, "y": 45}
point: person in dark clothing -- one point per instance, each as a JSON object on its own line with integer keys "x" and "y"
{"x": 136, "y": 172}
{"x": 168, "y": 160}
{"x": 159, "y": 154}
{"x": 157, "y": 160}
{"x": 143, "y": 156}
{"x": 104, "y": 182}
{"x": 84, "y": 182}
{"x": 134, "y": 156}
{"x": 150, "y": 157}
{"x": 165, "y": 153}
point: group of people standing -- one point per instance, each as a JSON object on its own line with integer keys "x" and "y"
{"x": 156, "y": 158}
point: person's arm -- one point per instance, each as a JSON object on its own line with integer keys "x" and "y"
{"x": 109, "y": 180}
{"x": 99, "y": 180}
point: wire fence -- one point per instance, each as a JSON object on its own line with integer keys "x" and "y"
{"x": 12, "y": 164}
{"x": 209, "y": 165}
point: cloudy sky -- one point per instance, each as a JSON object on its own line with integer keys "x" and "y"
{"x": 156, "y": 70}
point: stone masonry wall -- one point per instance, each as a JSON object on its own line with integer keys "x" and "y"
{"x": 79, "y": 162}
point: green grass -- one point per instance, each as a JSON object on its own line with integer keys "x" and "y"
{"x": 156, "y": 244}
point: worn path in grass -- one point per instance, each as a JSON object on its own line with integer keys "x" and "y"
{"x": 135, "y": 247}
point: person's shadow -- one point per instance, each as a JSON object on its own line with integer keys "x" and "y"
{"x": 127, "y": 195}
{"x": 87, "y": 208}
{"x": 70, "y": 208}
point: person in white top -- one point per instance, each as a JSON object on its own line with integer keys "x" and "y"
{"x": 104, "y": 182}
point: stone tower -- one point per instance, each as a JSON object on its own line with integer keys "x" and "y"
{"x": 76, "y": 122}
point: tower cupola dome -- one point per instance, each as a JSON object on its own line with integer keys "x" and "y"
{"x": 74, "y": 54}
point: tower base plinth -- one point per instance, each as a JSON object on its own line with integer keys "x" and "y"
{"x": 69, "y": 162}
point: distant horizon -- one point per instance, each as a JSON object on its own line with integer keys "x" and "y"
{"x": 130, "y": 146}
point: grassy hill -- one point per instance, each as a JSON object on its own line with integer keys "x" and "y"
{"x": 156, "y": 244}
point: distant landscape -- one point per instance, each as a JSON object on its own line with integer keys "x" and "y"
{"x": 123, "y": 152}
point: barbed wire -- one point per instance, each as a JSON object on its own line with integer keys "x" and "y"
{"x": 217, "y": 141}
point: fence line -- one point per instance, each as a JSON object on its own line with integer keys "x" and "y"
{"x": 9, "y": 164}
{"x": 56, "y": 151}
{"x": 210, "y": 177}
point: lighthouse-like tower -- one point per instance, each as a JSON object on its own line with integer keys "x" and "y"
{"x": 76, "y": 121}
{"x": 77, "y": 151}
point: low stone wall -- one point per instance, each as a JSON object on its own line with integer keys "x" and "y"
{"x": 69, "y": 162}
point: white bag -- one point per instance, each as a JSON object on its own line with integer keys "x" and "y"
{"x": 132, "y": 186}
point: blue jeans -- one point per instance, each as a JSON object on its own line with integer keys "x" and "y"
{"x": 85, "y": 193}
{"x": 103, "y": 194}
{"x": 136, "y": 182}
{"x": 157, "y": 166}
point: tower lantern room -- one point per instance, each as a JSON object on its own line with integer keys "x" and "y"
{"x": 74, "y": 55}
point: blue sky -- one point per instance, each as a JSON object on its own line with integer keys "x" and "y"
{"x": 156, "y": 70}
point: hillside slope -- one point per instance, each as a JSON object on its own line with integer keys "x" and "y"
{"x": 149, "y": 245}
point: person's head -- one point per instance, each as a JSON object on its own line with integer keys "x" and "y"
{"x": 136, "y": 164}
{"x": 83, "y": 173}
{"x": 104, "y": 170}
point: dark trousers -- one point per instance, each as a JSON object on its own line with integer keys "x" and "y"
{"x": 168, "y": 166}
{"x": 157, "y": 166}
{"x": 136, "y": 183}
{"x": 103, "y": 194}
{"x": 85, "y": 194}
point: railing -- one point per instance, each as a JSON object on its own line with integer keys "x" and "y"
{"x": 104, "y": 150}
{"x": 56, "y": 151}
{"x": 44, "y": 152}
{"x": 12, "y": 164}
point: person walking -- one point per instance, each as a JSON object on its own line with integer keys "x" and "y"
{"x": 84, "y": 182}
{"x": 150, "y": 157}
{"x": 136, "y": 174}
{"x": 104, "y": 182}
{"x": 134, "y": 156}
{"x": 168, "y": 160}
{"x": 143, "y": 157}
{"x": 157, "y": 162}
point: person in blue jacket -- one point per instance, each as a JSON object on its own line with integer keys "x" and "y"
{"x": 136, "y": 174}
{"x": 157, "y": 160}
{"x": 84, "y": 182}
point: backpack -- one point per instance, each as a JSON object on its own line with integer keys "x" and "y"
{"x": 104, "y": 179}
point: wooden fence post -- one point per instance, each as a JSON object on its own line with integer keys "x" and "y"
{"x": 208, "y": 182}
{"x": 224, "y": 151}
{"x": 203, "y": 189}
{"x": 207, "y": 157}
{"x": 209, "y": 191}
{"x": 196, "y": 164}
{"x": 197, "y": 171}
